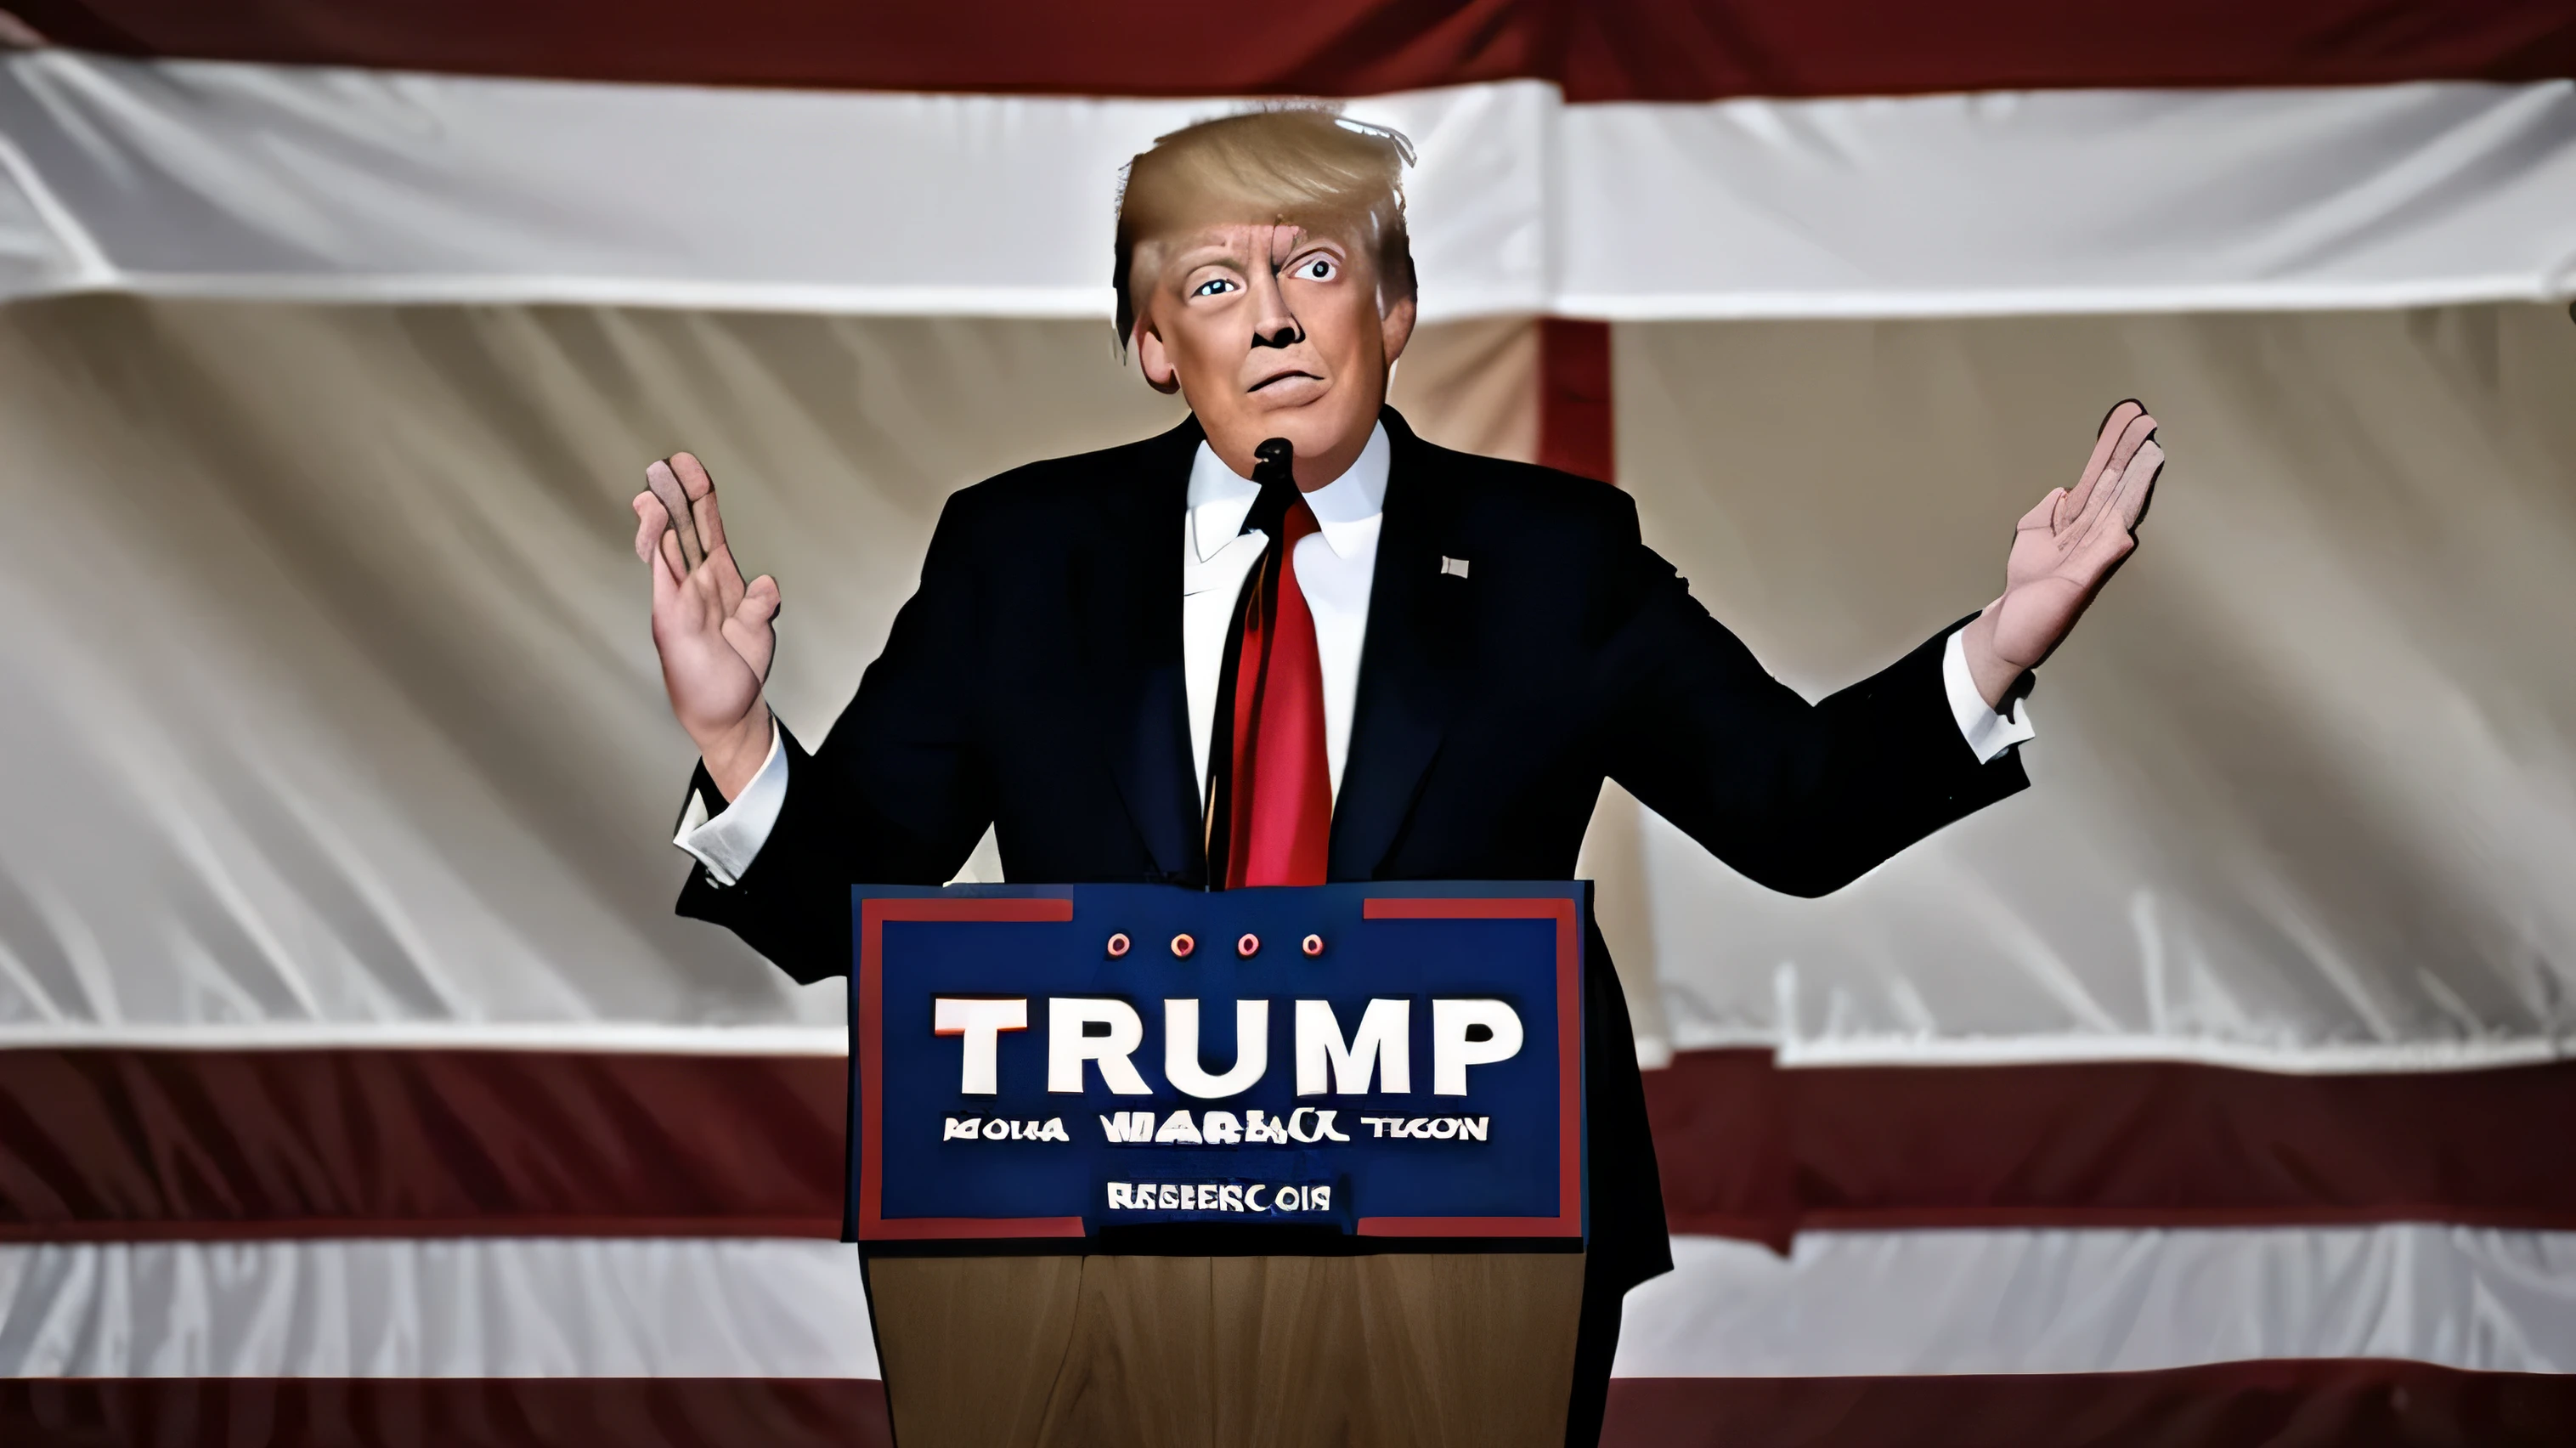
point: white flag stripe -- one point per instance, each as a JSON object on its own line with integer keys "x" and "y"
{"x": 640, "y": 1037}
{"x": 267, "y": 181}
{"x": 1865, "y": 1304}
{"x": 566, "y": 1307}
{"x": 2068, "y": 201}
{"x": 1844, "y": 1304}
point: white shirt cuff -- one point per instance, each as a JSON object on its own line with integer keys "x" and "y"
{"x": 728, "y": 842}
{"x": 1988, "y": 733}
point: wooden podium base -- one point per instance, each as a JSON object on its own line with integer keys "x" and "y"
{"x": 1396, "y": 1351}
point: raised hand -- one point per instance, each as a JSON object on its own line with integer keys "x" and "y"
{"x": 714, "y": 632}
{"x": 2063, "y": 551}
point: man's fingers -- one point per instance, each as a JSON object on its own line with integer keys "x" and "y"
{"x": 2124, "y": 490}
{"x": 650, "y": 521}
{"x": 2138, "y": 483}
{"x": 2114, "y": 424}
{"x": 701, "y": 486}
{"x": 709, "y": 604}
{"x": 2106, "y": 538}
{"x": 666, "y": 486}
{"x": 2083, "y": 512}
{"x": 2124, "y": 443}
{"x": 2106, "y": 437}
{"x": 727, "y": 577}
{"x": 666, "y": 586}
{"x": 2089, "y": 567}
{"x": 692, "y": 474}
{"x": 2132, "y": 437}
{"x": 2119, "y": 415}
{"x": 668, "y": 546}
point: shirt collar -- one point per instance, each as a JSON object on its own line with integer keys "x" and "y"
{"x": 1348, "y": 507}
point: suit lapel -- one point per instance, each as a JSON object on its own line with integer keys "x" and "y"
{"x": 1129, "y": 603}
{"x": 1410, "y": 665}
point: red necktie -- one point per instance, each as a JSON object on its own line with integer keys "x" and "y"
{"x": 1280, "y": 800}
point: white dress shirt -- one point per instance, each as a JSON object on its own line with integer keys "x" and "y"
{"x": 1335, "y": 567}
{"x": 1334, "y": 570}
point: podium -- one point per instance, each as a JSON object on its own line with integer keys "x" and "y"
{"x": 1147, "y": 1166}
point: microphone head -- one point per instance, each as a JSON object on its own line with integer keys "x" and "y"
{"x": 1275, "y": 461}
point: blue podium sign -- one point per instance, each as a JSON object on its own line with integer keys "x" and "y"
{"x": 1032, "y": 1062}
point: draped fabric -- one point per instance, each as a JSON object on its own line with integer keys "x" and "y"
{"x": 357, "y": 1084}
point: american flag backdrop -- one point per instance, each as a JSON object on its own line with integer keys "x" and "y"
{"x": 358, "y": 1087}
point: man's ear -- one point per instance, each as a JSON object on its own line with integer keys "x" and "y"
{"x": 1154, "y": 361}
{"x": 1395, "y": 326}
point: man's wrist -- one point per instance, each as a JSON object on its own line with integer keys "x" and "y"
{"x": 1993, "y": 674}
{"x": 734, "y": 757}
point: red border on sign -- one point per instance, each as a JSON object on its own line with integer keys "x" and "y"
{"x": 1568, "y": 1221}
{"x": 874, "y": 1226}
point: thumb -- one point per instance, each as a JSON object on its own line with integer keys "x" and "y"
{"x": 666, "y": 584}
{"x": 2044, "y": 513}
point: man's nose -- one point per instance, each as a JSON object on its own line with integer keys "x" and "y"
{"x": 1273, "y": 324}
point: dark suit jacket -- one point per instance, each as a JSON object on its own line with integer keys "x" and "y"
{"x": 1034, "y": 683}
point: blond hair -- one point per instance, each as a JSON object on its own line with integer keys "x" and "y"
{"x": 1299, "y": 164}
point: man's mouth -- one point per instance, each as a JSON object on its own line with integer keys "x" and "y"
{"x": 1283, "y": 377}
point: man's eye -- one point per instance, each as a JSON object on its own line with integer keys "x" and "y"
{"x": 1316, "y": 269}
{"x": 1215, "y": 286}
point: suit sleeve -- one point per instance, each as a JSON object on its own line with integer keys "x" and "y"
{"x": 1801, "y": 797}
{"x": 899, "y": 792}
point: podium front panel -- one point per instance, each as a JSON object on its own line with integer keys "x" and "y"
{"x": 1268, "y": 1067}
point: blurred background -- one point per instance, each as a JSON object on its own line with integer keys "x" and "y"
{"x": 357, "y": 1084}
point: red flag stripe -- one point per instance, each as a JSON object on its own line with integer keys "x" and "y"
{"x": 1625, "y": 50}
{"x": 481, "y": 1412}
{"x": 2274, "y": 1404}
{"x": 133, "y": 1144}
{"x": 141, "y": 1144}
{"x": 1750, "y": 1150}
{"x": 1576, "y": 421}
{"x": 2277, "y": 1404}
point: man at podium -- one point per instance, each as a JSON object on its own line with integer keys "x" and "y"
{"x": 1290, "y": 642}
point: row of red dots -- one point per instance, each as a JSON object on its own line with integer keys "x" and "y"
{"x": 1247, "y": 947}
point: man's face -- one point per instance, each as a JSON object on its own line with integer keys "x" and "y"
{"x": 1272, "y": 331}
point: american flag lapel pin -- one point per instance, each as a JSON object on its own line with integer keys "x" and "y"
{"x": 1457, "y": 566}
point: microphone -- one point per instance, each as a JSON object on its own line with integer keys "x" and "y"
{"x": 1275, "y": 461}
{"x": 1274, "y": 467}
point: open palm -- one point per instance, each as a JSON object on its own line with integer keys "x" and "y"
{"x": 2066, "y": 548}
{"x": 714, "y": 632}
